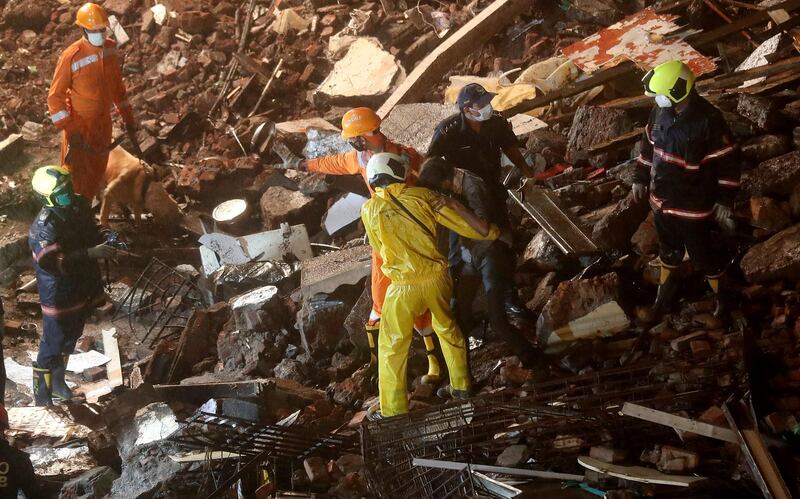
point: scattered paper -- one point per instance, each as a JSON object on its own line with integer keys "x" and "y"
{"x": 344, "y": 212}
{"x": 19, "y": 374}
{"x": 80, "y": 362}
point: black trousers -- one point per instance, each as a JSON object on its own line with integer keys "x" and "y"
{"x": 706, "y": 246}
{"x": 495, "y": 271}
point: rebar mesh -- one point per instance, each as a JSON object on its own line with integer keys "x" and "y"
{"x": 558, "y": 420}
{"x": 159, "y": 303}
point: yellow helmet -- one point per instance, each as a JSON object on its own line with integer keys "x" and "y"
{"x": 53, "y": 185}
{"x": 669, "y": 82}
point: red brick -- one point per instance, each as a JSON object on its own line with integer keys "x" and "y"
{"x": 607, "y": 454}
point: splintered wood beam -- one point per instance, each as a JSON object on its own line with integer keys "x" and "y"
{"x": 453, "y": 50}
{"x": 610, "y": 74}
{"x": 679, "y": 422}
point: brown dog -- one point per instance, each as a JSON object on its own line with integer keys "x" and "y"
{"x": 130, "y": 182}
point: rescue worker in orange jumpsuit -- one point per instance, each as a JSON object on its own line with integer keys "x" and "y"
{"x": 361, "y": 128}
{"x": 87, "y": 81}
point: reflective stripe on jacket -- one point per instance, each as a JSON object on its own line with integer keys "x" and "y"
{"x": 689, "y": 160}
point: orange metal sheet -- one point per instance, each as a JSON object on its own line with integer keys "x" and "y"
{"x": 642, "y": 38}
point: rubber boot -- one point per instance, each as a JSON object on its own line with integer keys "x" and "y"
{"x": 668, "y": 286}
{"x": 42, "y": 386}
{"x": 60, "y": 390}
{"x": 721, "y": 298}
{"x": 434, "y": 374}
{"x": 447, "y": 392}
{"x": 372, "y": 328}
{"x": 374, "y": 413}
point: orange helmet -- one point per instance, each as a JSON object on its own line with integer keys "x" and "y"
{"x": 92, "y": 17}
{"x": 359, "y": 121}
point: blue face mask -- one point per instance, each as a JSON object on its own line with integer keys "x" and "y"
{"x": 95, "y": 38}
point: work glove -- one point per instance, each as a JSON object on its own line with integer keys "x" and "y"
{"x": 723, "y": 215}
{"x": 101, "y": 251}
{"x": 291, "y": 161}
{"x": 639, "y": 192}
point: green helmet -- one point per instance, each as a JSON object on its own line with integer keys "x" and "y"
{"x": 53, "y": 185}
{"x": 669, "y": 82}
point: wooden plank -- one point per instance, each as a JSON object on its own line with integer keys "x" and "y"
{"x": 617, "y": 142}
{"x": 727, "y": 82}
{"x": 111, "y": 350}
{"x": 468, "y": 38}
{"x": 450, "y": 465}
{"x": 678, "y": 422}
{"x": 759, "y": 460}
{"x": 638, "y": 473}
{"x": 610, "y": 74}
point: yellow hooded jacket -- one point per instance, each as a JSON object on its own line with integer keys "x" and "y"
{"x": 409, "y": 252}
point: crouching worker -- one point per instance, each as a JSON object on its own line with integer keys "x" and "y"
{"x": 475, "y": 261}
{"x": 401, "y": 223}
{"x": 16, "y": 469}
{"x": 66, "y": 244}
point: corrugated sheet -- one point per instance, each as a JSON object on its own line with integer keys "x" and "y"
{"x": 642, "y": 38}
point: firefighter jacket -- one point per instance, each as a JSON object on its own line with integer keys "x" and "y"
{"x": 67, "y": 279}
{"x": 689, "y": 160}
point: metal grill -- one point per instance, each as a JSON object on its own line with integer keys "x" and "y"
{"x": 256, "y": 444}
{"x": 211, "y": 432}
{"x": 558, "y": 421}
{"x": 161, "y": 302}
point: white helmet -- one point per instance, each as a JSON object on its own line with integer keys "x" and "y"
{"x": 385, "y": 163}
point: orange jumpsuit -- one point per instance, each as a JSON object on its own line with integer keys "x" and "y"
{"x": 86, "y": 83}
{"x": 355, "y": 162}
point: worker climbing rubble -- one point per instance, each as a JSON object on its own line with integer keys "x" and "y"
{"x": 86, "y": 83}
{"x": 689, "y": 165}
{"x": 401, "y": 223}
{"x": 66, "y": 244}
{"x": 361, "y": 128}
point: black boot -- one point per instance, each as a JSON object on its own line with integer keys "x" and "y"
{"x": 59, "y": 386}
{"x": 42, "y": 386}
{"x": 664, "y": 296}
{"x": 722, "y": 296}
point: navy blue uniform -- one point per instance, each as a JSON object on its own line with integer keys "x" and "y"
{"x": 690, "y": 162}
{"x": 16, "y": 473}
{"x": 479, "y": 153}
{"x": 68, "y": 280}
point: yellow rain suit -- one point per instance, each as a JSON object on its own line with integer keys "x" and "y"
{"x": 419, "y": 281}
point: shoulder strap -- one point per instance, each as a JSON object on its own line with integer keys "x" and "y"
{"x": 411, "y": 215}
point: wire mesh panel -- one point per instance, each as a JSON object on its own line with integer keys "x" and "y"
{"x": 558, "y": 420}
{"x": 159, "y": 303}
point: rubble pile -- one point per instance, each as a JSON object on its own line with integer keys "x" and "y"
{"x": 234, "y": 354}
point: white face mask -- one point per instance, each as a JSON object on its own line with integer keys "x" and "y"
{"x": 663, "y": 101}
{"x": 481, "y": 114}
{"x": 96, "y": 39}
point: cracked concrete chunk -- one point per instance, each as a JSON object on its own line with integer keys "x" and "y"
{"x": 776, "y": 258}
{"x": 365, "y": 71}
